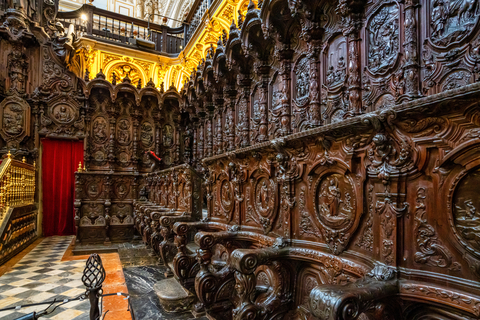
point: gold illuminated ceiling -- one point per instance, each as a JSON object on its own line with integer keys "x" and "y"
{"x": 95, "y": 55}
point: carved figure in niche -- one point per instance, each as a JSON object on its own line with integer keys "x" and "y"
{"x": 17, "y": 69}
{"x": 122, "y": 190}
{"x": 99, "y": 129}
{"x": 334, "y": 202}
{"x": 123, "y": 132}
{"x": 167, "y": 136}
{"x": 149, "y": 8}
{"x": 466, "y": 202}
{"x": 226, "y": 194}
{"x": 93, "y": 190}
{"x": 452, "y": 20}
{"x": 63, "y": 114}
{"x": 139, "y": 9}
{"x": 146, "y": 135}
{"x": 383, "y": 36}
{"x": 263, "y": 196}
{"x": 13, "y": 119}
{"x": 337, "y": 69}
{"x": 303, "y": 81}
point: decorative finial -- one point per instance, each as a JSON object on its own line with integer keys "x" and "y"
{"x": 9, "y": 155}
{"x": 84, "y": 168}
{"x": 79, "y": 166}
{"x": 24, "y": 160}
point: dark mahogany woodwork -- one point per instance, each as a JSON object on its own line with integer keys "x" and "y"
{"x": 334, "y": 146}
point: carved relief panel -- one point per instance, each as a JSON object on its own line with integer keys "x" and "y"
{"x": 447, "y": 54}
{"x": 384, "y": 82}
{"x": 335, "y": 57}
{"x": 14, "y": 121}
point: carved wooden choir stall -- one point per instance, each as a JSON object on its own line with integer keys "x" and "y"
{"x": 321, "y": 162}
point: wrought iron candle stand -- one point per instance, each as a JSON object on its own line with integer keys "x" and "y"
{"x": 93, "y": 277}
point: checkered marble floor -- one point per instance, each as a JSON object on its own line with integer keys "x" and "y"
{"x": 41, "y": 276}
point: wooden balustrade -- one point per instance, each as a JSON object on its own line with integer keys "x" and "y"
{"x": 17, "y": 184}
{"x": 104, "y": 25}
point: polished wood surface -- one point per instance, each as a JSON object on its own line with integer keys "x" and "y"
{"x": 334, "y": 146}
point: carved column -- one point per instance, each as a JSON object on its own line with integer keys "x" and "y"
{"x": 286, "y": 110}
{"x": 135, "y": 158}
{"x": 177, "y": 144}
{"x": 411, "y": 67}
{"x": 209, "y": 130}
{"x": 218, "y": 100}
{"x": 243, "y": 112}
{"x": 107, "y": 182}
{"x": 314, "y": 112}
{"x": 263, "y": 104}
{"x": 229, "y": 128}
{"x": 352, "y": 24}
{"x": 201, "y": 137}
{"x": 194, "y": 151}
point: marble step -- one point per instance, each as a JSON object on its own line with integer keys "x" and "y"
{"x": 192, "y": 247}
{"x": 173, "y": 297}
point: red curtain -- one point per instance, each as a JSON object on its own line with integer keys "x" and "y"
{"x": 60, "y": 160}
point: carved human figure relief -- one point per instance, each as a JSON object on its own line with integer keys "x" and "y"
{"x": 302, "y": 85}
{"x": 452, "y": 20}
{"x": 466, "y": 210}
{"x": 99, "y": 130}
{"x": 146, "y": 134}
{"x": 123, "y": 132}
{"x": 335, "y": 202}
{"x": 336, "y": 64}
{"x": 167, "y": 136}
{"x": 63, "y": 113}
{"x": 383, "y": 38}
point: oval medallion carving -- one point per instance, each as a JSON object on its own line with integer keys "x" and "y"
{"x": 264, "y": 197}
{"x": 99, "y": 130}
{"x": 167, "y": 136}
{"x": 63, "y": 113}
{"x": 335, "y": 202}
{"x": 146, "y": 134}
{"x": 93, "y": 190}
{"x": 466, "y": 210}
{"x": 226, "y": 196}
{"x": 123, "y": 132}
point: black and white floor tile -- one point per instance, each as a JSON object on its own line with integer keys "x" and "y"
{"x": 42, "y": 276}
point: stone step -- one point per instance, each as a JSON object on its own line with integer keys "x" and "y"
{"x": 173, "y": 297}
{"x": 192, "y": 247}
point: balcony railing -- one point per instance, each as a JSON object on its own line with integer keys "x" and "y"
{"x": 92, "y": 22}
{"x": 17, "y": 184}
{"x": 194, "y": 19}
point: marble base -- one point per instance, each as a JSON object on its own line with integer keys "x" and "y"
{"x": 173, "y": 297}
{"x": 142, "y": 271}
